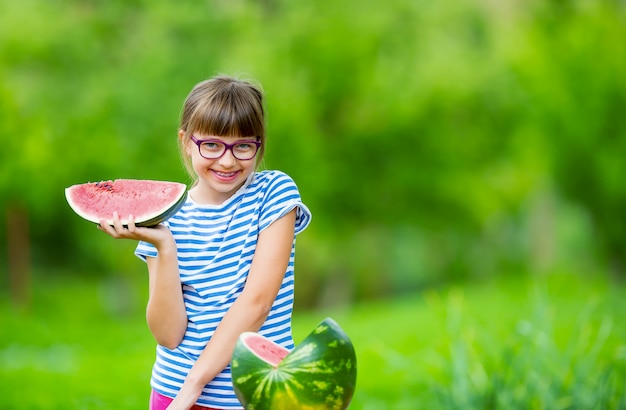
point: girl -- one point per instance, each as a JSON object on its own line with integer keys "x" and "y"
{"x": 224, "y": 264}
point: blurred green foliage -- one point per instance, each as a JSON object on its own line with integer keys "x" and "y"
{"x": 432, "y": 141}
{"x": 553, "y": 342}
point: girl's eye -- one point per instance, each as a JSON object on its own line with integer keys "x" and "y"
{"x": 244, "y": 147}
{"x": 212, "y": 146}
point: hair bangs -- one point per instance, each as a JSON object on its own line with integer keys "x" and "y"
{"x": 228, "y": 115}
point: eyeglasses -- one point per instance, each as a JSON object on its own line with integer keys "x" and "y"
{"x": 213, "y": 149}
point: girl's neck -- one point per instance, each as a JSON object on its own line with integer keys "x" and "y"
{"x": 206, "y": 197}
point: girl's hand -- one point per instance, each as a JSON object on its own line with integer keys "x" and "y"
{"x": 155, "y": 235}
{"x": 186, "y": 397}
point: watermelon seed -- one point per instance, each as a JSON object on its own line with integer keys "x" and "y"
{"x": 105, "y": 185}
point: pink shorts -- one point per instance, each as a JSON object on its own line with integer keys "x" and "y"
{"x": 160, "y": 402}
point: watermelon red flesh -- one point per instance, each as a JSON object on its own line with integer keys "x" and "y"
{"x": 150, "y": 202}
{"x": 319, "y": 374}
{"x": 265, "y": 349}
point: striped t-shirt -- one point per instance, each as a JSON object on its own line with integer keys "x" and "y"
{"x": 215, "y": 245}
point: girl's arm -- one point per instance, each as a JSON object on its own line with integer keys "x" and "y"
{"x": 248, "y": 312}
{"x": 165, "y": 314}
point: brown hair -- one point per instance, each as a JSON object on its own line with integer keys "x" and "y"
{"x": 226, "y": 107}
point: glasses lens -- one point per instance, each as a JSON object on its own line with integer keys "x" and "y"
{"x": 244, "y": 150}
{"x": 212, "y": 149}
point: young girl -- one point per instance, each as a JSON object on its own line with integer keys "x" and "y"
{"x": 223, "y": 264}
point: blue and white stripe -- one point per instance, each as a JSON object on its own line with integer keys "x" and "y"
{"x": 216, "y": 244}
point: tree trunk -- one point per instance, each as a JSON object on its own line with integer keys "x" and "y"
{"x": 18, "y": 239}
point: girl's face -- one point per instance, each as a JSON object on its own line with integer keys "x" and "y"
{"x": 220, "y": 178}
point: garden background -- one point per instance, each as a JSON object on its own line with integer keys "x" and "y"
{"x": 463, "y": 160}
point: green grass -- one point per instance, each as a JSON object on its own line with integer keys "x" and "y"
{"x": 557, "y": 342}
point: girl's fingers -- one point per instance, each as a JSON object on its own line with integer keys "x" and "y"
{"x": 117, "y": 223}
{"x": 106, "y": 228}
{"x": 116, "y": 230}
{"x": 102, "y": 225}
{"x": 130, "y": 231}
{"x": 131, "y": 223}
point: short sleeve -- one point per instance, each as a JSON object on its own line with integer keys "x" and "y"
{"x": 145, "y": 250}
{"x": 281, "y": 197}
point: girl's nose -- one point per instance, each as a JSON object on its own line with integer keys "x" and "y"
{"x": 228, "y": 159}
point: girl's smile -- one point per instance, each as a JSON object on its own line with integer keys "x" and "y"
{"x": 226, "y": 176}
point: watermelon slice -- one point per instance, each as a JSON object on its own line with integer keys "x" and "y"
{"x": 150, "y": 202}
{"x": 319, "y": 374}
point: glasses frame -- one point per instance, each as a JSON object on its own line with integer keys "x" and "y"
{"x": 228, "y": 147}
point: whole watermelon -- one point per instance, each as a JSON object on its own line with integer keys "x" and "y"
{"x": 319, "y": 374}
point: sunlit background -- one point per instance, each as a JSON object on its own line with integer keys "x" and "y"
{"x": 464, "y": 161}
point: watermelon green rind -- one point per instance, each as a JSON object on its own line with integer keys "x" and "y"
{"x": 319, "y": 374}
{"x": 332, "y": 378}
{"x": 87, "y": 200}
